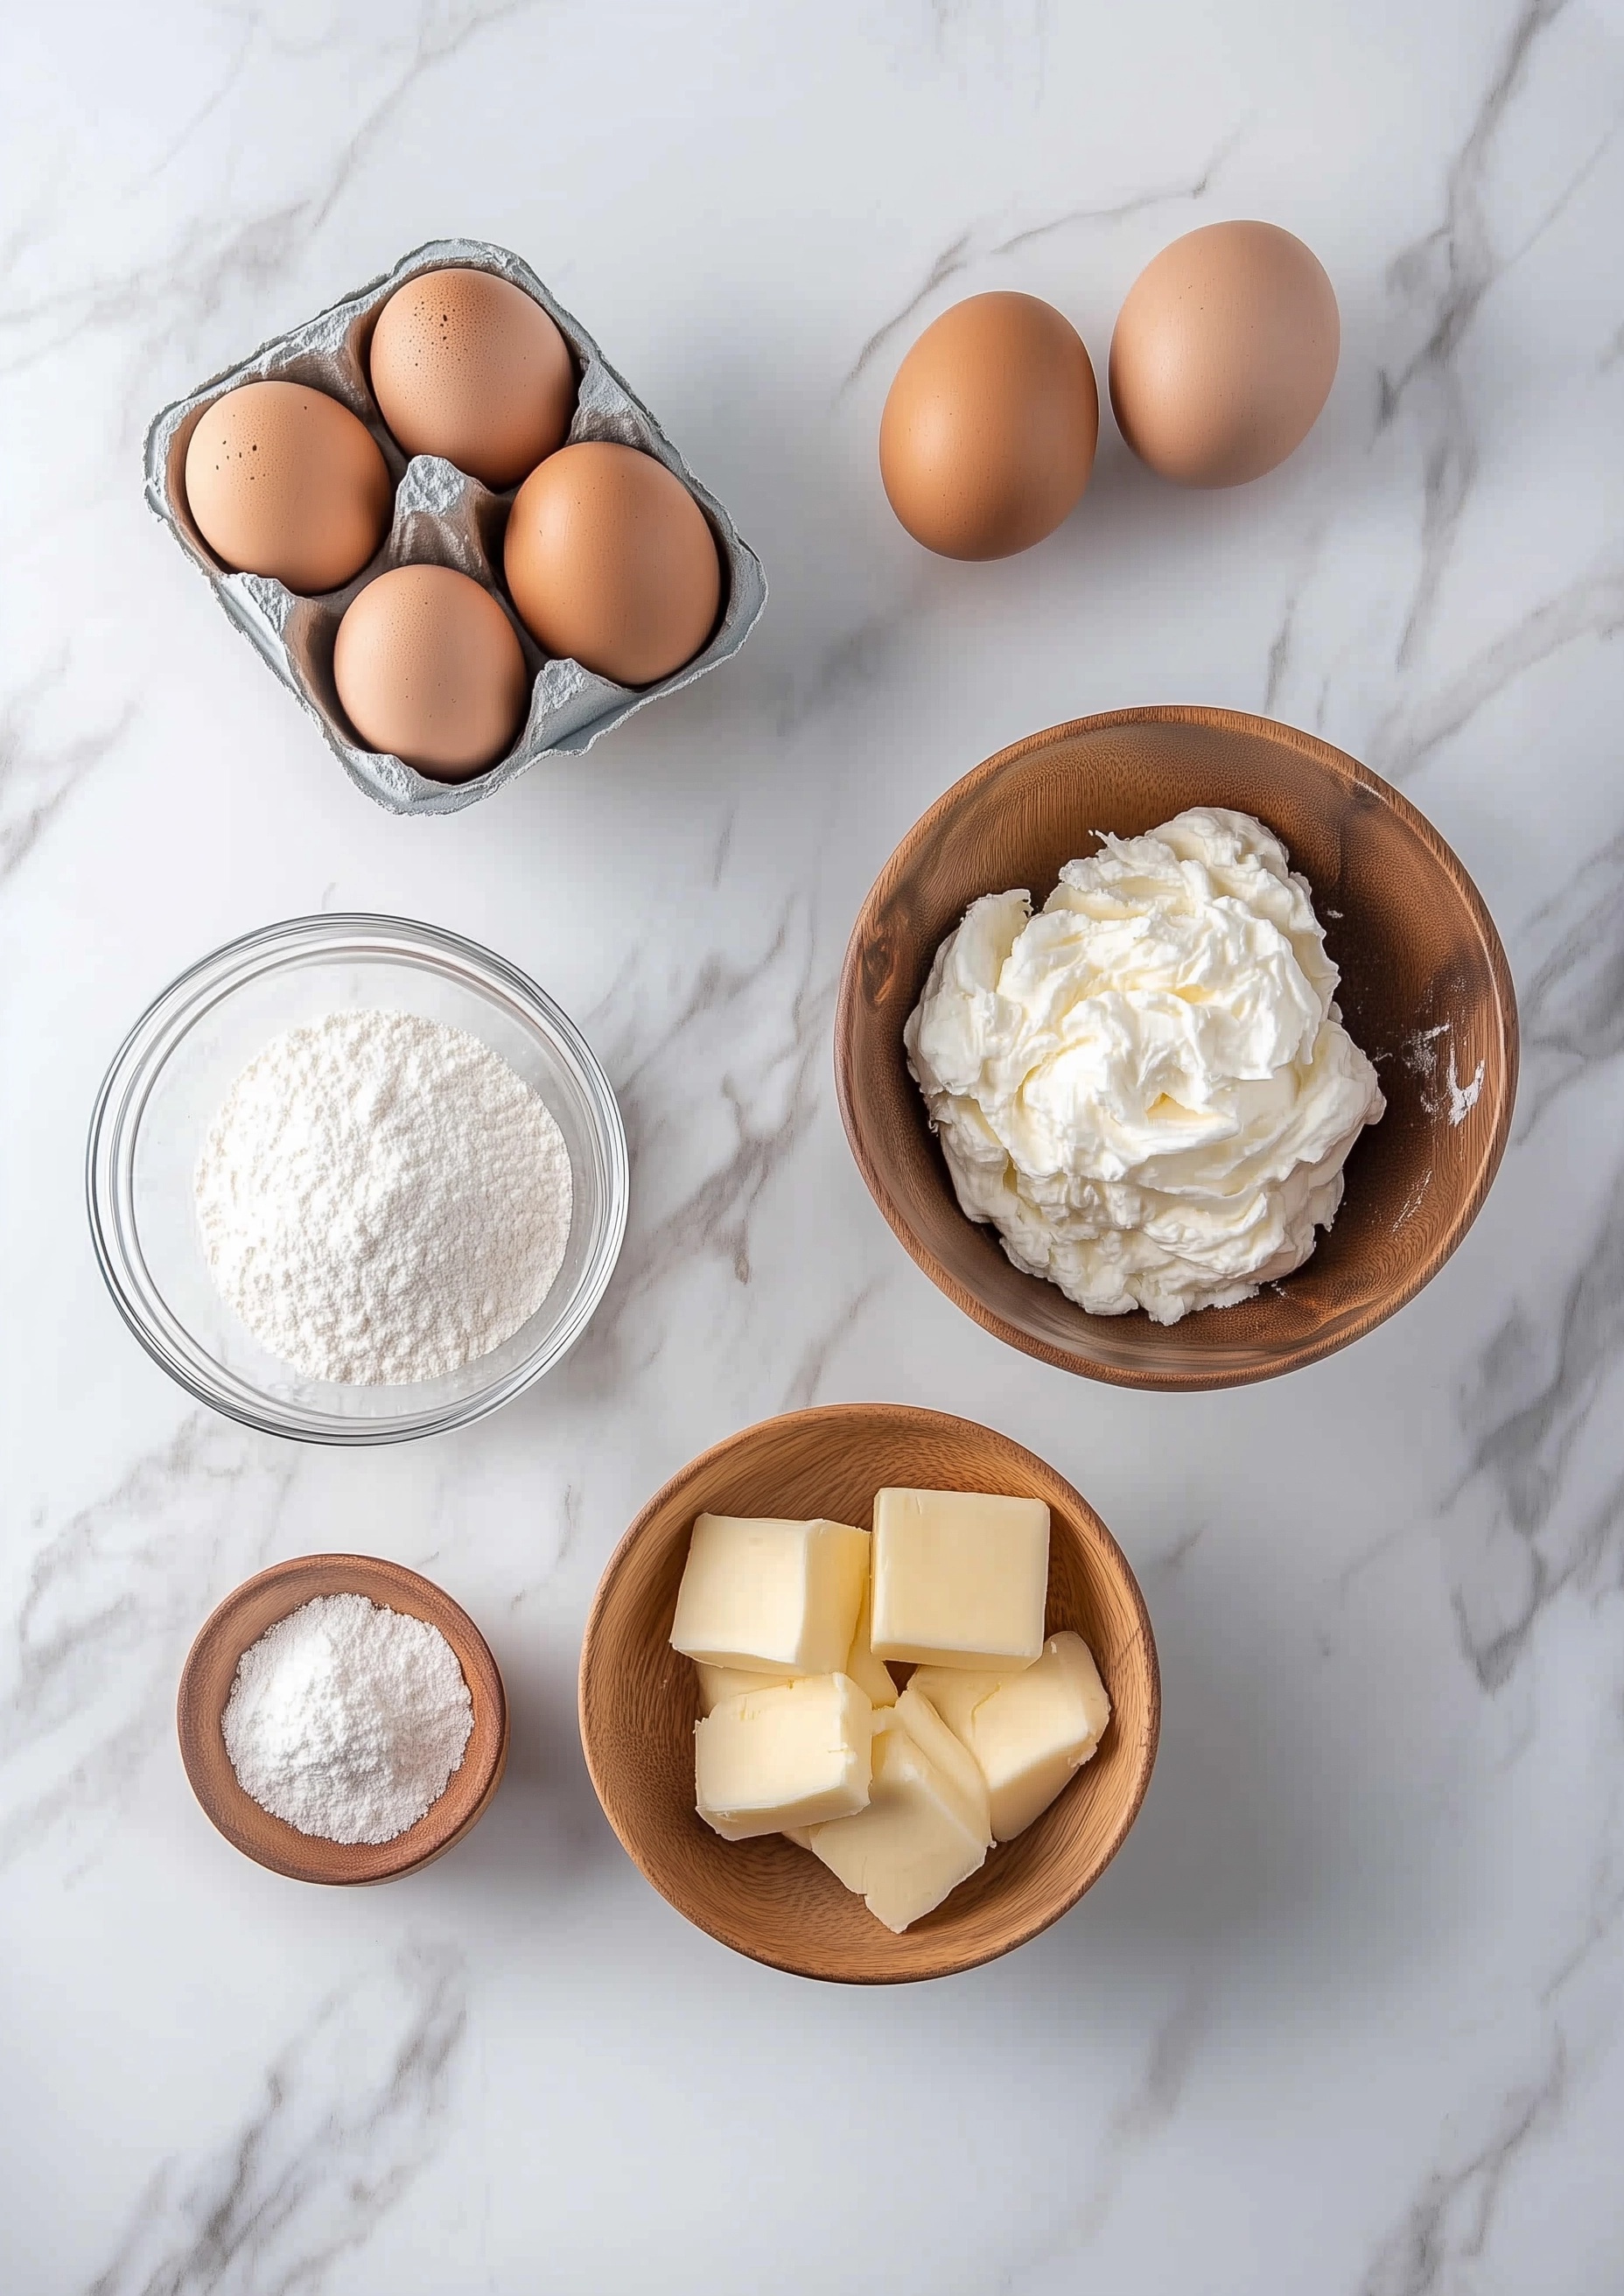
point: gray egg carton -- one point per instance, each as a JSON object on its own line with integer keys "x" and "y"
{"x": 442, "y": 517}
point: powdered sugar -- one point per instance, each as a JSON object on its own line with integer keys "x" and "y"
{"x": 347, "y": 1720}
{"x": 381, "y": 1199}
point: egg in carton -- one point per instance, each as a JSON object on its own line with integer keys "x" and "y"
{"x": 442, "y": 517}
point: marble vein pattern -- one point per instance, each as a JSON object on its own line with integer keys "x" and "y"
{"x": 1544, "y": 1455}
{"x": 1429, "y": 387}
{"x": 1347, "y": 2014}
{"x": 112, "y": 1598}
{"x": 1447, "y": 2231}
{"x": 349, "y": 2113}
{"x": 758, "y": 1025}
{"x": 976, "y": 244}
{"x": 38, "y": 775}
{"x": 1592, "y": 606}
{"x": 1142, "y": 2116}
{"x": 1571, "y": 1003}
{"x": 1438, "y": 282}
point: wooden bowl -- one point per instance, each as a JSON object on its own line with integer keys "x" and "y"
{"x": 639, "y": 1700}
{"x": 1424, "y": 982}
{"x": 205, "y": 1685}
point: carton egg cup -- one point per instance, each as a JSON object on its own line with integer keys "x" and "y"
{"x": 442, "y": 517}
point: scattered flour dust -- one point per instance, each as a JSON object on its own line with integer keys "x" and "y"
{"x": 1414, "y": 1199}
{"x": 1462, "y": 1097}
{"x": 1421, "y": 1052}
{"x": 1420, "y": 1049}
{"x": 381, "y": 1199}
{"x": 347, "y": 1720}
{"x": 1421, "y": 1058}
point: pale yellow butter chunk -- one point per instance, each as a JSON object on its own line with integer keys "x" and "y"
{"x": 793, "y": 1754}
{"x": 864, "y": 1667}
{"x": 954, "y": 1761}
{"x": 763, "y": 1595}
{"x": 1029, "y": 1732}
{"x": 925, "y": 1828}
{"x": 716, "y": 1683}
{"x": 960, "y": 1579}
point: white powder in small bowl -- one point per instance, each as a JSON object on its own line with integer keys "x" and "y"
{"x": 381, "y": 1199}
{"x": 347, "y": 1720}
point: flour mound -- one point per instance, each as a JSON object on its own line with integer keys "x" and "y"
{"x": 382, "y": 1200}
{"x": 347, "y": 1720}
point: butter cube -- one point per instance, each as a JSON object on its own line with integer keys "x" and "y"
{"x": 956, "y": 1764}
{"x": 1029, "y": 1732}
{"x": 794, "y": 1754}
{"x": 925, "y": 1828}
{"x": 761, "y": 1594}
{"x": 864, "y": 1667}
{"x": 960, "y": 1579}
{"x": 716, "y": 1683}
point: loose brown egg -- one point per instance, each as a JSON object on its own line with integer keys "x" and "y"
{"x": 283, "y": 481}
{"x": 610, "y": 563}
{"x": 1224, "y": 354}
{"x": 468, "y": 365}
{"x": 988, "y": 433}
{"x": 429, "y": 667}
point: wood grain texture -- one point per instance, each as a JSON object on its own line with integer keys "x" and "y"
{"x": 639, "y": 1700}
{"x": 205, "y": 1686}
{"x": 1417, "y": 951}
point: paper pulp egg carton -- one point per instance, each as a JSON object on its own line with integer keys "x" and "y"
{"x": 442, "y": 517}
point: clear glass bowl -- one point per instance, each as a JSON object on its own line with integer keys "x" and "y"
{"x": 167, "y": 1083}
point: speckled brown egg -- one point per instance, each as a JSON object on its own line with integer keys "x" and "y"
{"x": 283, "y": 481}
{"x": 468, "y": 365}
{"x": 610, "y": 563}
{"x": 989, "y": 432}
{"x": 1224, "y": 354}
{"x": 429, "y": 667}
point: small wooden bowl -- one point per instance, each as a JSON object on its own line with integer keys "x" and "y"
{"x": 1418, "y": 954}
{"x": 205, "y": 1685}
{"x": 639, "y": 1700}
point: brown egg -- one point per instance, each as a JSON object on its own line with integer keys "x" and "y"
{"x": 1224, "y": 354}
{"x": 429, "y": 667}
{"x": 988, "y": 433}
{"x": 468, "y": 365}
{"x": 612, "y": 564}
{"x": 283, "y": 481}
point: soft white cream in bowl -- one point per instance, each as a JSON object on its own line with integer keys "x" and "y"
{"x": 1147, "y": 1087}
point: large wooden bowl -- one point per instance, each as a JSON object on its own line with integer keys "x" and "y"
{"x": 639, "y": 1700}
{"x": 1426, "y": 992}
{"x": 205, "y": 1685}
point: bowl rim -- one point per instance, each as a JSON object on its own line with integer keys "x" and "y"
{"x": 1115, "y": 1561}
{"x": 1344, "y": 768}
{"x": 212, "y": 979}
{"x": 392, "y": 1585}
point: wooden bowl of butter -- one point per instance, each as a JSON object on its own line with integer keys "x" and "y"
{"x": 822, "y": 1873}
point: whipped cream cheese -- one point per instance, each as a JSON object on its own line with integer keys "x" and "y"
{"x": 1147, "y": 1088}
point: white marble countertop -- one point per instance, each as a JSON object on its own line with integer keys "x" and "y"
{"x": 1344, "y": 2015}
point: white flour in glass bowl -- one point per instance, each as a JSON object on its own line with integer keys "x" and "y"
{"x": 381, "y": 1199}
